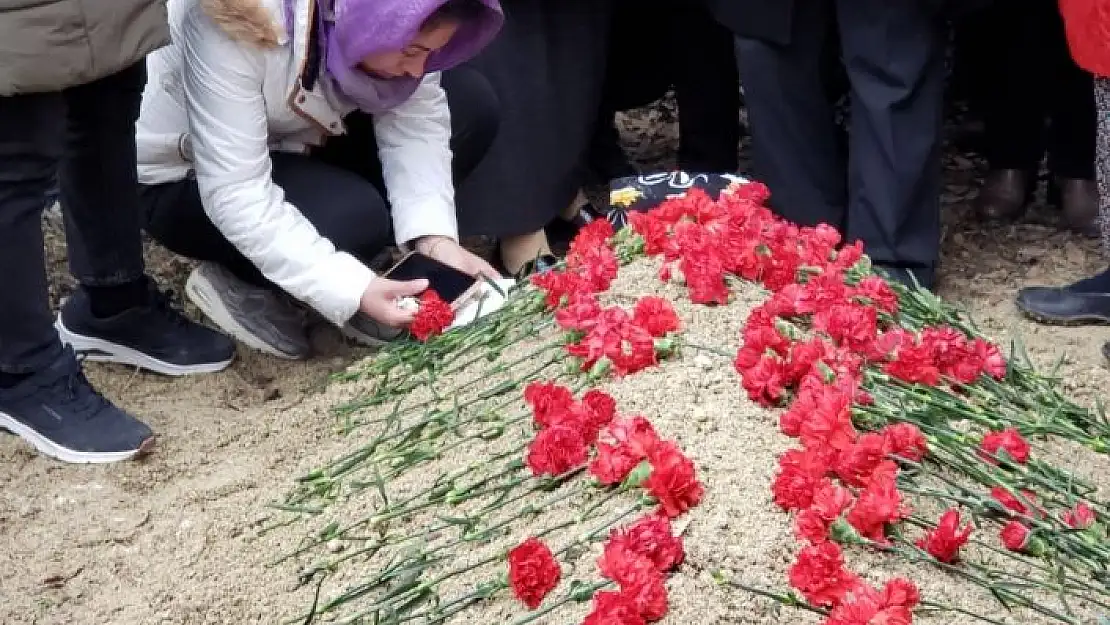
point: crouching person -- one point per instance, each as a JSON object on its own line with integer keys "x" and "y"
{"x": 286, "y": 143}
{"x": 71, "y": 78}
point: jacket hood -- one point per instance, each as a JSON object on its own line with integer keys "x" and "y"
{"x": 245, "y": 21}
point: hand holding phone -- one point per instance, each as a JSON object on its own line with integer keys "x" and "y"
{"x": 452, "y": 285}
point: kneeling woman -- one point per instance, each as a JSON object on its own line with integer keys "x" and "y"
{"x": 286, "y": 143}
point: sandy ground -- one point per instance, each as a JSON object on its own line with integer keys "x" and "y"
{"x": 175, "y": 539}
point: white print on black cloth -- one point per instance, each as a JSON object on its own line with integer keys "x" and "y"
{"x": 682, "y": 181}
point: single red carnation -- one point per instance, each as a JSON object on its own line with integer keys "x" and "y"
{"x": 1014, "y": 503}
{"x": 1015, "y": 536}
{"x": 636, "y": 433}
{"x": 613, "y": 463}
{"x": 533, "y": 572}
{"x": 820, "y": 576}
{"x": 432, "y": 318}
{"x": 656, "y": 315}
{"x": 613, "y": 608}
{"x": 856, "y": 463}
{"x": 580, "y": 312}
{"x": 905, "y": 440}
{"x": 548, "y": 400}
{"x": 800, "y": 475}
{"x": 878, "y": 505}
{"x": 944, "y": 542}
{"x": 1009, "y": 441}
{"x": 556, "y": 450}
{"x": 868, "y": 606}
{"x": 1081, "y": 517}
{"x": 673, "y": 481}
{"x": 600, "y": 409}
{"x": 639, "y": 579}
{"x": 993, "y": 362}
{"x": 652, "y": 537}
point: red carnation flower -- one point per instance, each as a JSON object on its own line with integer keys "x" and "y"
{"x": 640, "y": 581}
{"x": 613, "y": 608}
{"x": 549, "y": 400}
{"x": 800, "y": 475}
{"x": 856, "y": 463}
{"x": 580, "y": 312}
{"x": 820, "y": 576}
{"x": 1012, "y": 502}
{"x": 867, "y": 606}
{"x": 878, "y": 505}
{"x": 1081, "y": 517}
{"x": 656, "y": 315}
{"x": 651, "y": 537}
{"x": 944, "y": 542}
{"x": 1015, "y": 536}
{"x": 613, "y": 463}
{"x": 556, "y": 450}
{"x": 432, "y": 318}
{"x": 905, "y": 440}
{"x": 533, "y": 572}
{"x": 1009, "y": 441}
{"x": 673, "y": 481}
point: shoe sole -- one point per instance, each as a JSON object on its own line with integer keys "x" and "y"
{"x": 1078, "y": 320}
{"x": 201, "y": 292}
{"x": 47, "y": 447}
{"x": 364, "y": 340}
{"x": 99, "y": 350}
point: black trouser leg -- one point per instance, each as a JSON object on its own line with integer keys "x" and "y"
{"x": 32, "y": 138}
{"x": 707, "y": 85}
{"x": 794, "y": 138}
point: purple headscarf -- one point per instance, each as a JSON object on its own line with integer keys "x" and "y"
{"x": 353, "y": 29}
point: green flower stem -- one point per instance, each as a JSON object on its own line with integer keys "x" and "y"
{"x": 789, "y": 600}
{"x": 570, "y": 597}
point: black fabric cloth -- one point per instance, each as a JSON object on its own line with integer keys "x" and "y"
{"x": 339, "y": 187}
{"x": 657, "y": 44}
{"x": 1035, "y": 98}
{"x": 84, "y": 136}
{"x": 547, "y": 67}
{"x": 888, "y": 192}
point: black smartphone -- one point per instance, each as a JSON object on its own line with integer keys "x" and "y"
{"x": 449, "y": 283}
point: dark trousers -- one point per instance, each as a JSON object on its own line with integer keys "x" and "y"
{"x": 1030, "y": 79}
{"x": 657, "y": 44}
{"x": 339, "y": 187}
{"x": 85, "y": 135}
{"x": 888, "y": 192}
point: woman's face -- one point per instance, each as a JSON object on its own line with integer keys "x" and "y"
{"x": 414, "y": 58}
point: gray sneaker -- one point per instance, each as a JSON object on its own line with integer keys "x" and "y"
{"x": 258, "y": 317}
{"x": 368, "y": 332}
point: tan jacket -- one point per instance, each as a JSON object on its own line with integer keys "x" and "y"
{"x": 49, "y": 45}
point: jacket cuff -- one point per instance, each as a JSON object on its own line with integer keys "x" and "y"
{"x": 429, "y": 219}
{"x": 341, "y": 297}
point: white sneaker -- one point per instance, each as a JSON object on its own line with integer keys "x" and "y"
{"x": 258, "y": 317}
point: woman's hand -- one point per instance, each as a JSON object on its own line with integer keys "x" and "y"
{"x": 381, "y": 298}
{"x": 448, "y": 251}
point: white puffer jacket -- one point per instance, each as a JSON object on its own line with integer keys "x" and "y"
{"x": 228, "y": 91}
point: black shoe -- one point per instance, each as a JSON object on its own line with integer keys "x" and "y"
{"x": 60, "y": 413}
{"x": 155, "y": 336}
{"x": 542, "y": 264}
{"x": 560, "y": 232}
{"x": 925, "y": 277}
{"x": 1064, "y": 306}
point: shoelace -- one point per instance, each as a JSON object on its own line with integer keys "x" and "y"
{"x": 77, "y": 388}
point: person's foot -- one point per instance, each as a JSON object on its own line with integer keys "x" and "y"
{"x": 1003, "y": 196}
{"x": 368, "y": 332}
{"x": 154, "y": 336}
{"x": 912, "y": 277}
{"x": 58, "y": 412}
{"x": 542, "y": 264}
{"x": 561, "y": 231}
{"x": 1078, "y": 199}
{"x": 258, "y": 317}
{"x": 1085, "y": 302}
{"x": 1106, "y": 350}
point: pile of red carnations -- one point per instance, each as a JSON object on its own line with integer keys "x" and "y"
{"x": 827, "y": 337}
{"x": 619, "y": 452}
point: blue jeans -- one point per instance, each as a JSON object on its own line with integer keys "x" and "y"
{"x": 85, "y": 137}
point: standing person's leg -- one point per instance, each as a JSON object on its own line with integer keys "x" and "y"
{"x": 794, "y": 140}
{"x": 707, "y": 86}
{"x": 1014, "y": 107}
{"x": 1088, "y": 300}
{"x": 894, "y": 54}
{"x": 44, "y": 397}
{"x": 1072, "y": 126}
{"x": 117, "y": 314}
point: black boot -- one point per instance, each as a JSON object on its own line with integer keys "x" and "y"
{"x": 1085, "y": 302}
